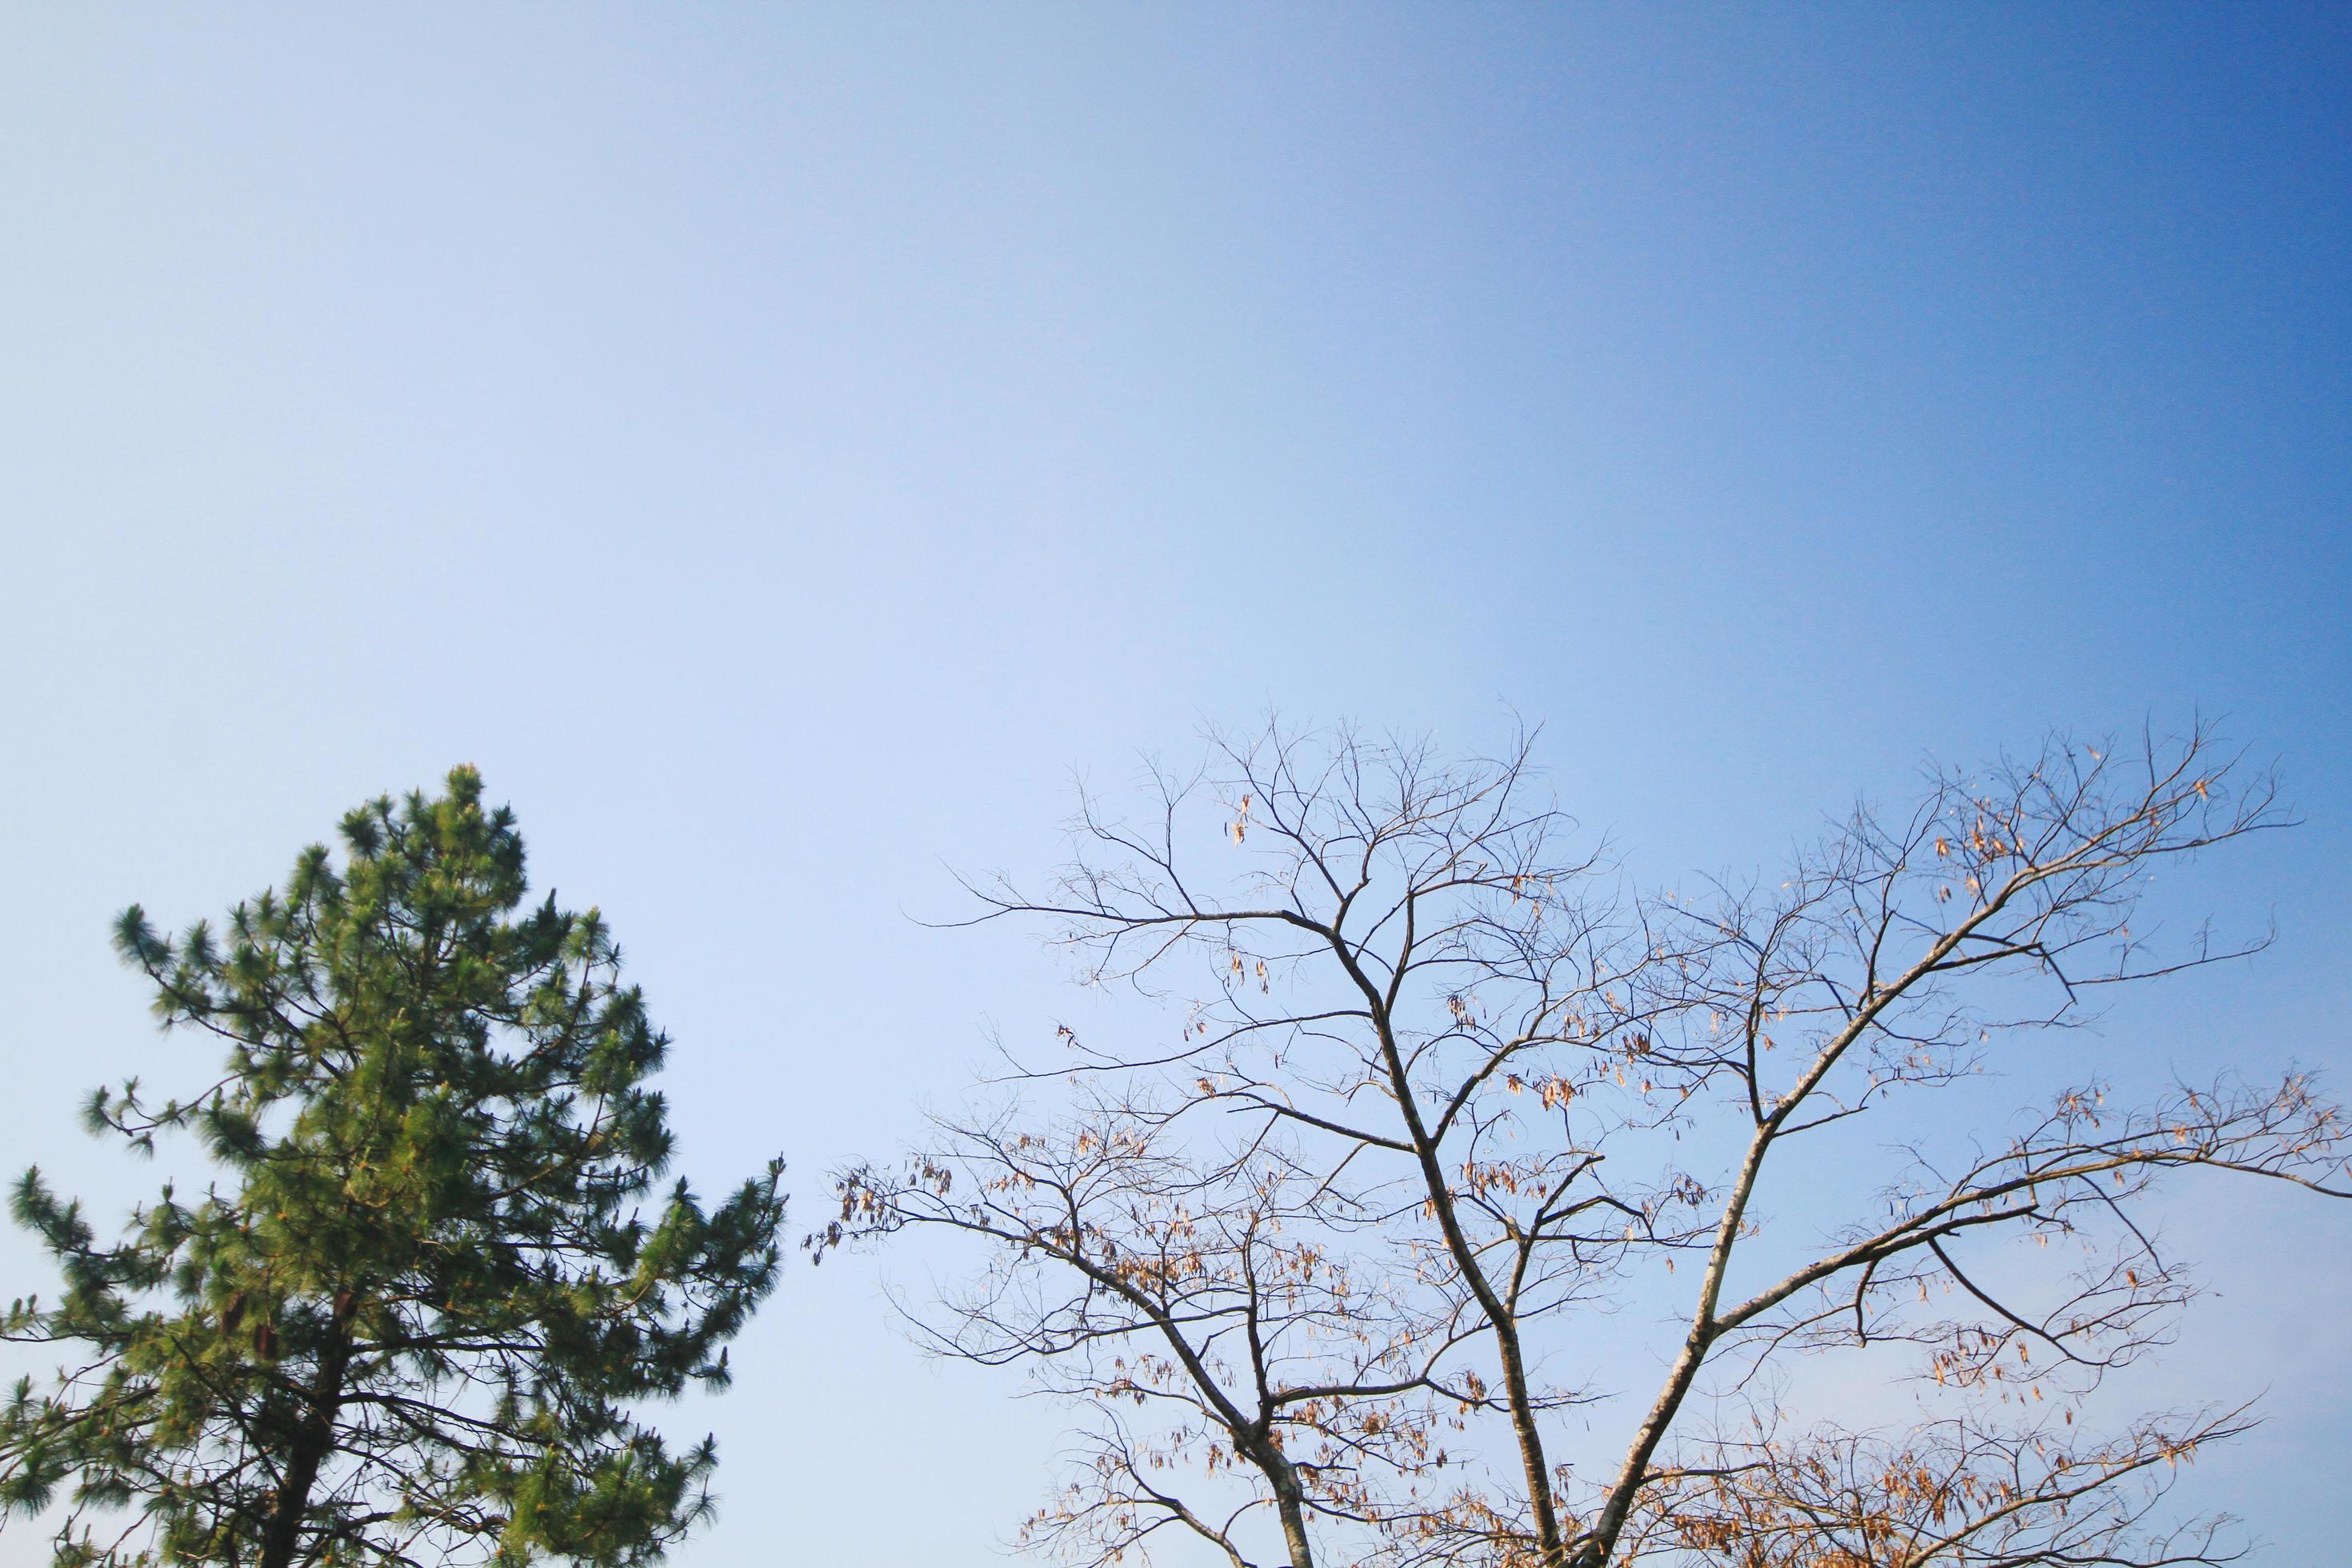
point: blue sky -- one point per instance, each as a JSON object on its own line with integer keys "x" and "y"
{"x": 782, "y": 447}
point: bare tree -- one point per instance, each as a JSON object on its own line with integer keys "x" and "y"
{"x": 1448, "y": 1092}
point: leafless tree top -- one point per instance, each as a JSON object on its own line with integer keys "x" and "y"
{"x": 1445, "y": 1087}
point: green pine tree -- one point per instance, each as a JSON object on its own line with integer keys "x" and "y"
{"x": 411, "y": 1319}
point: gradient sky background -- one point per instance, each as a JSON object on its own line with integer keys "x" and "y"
{"x": 781, "y": 447}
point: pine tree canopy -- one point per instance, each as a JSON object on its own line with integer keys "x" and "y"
{"x": 437, "y": 1269}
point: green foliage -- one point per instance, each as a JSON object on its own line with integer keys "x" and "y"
{"x": 409, "y": 1320}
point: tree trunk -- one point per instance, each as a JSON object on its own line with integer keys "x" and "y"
{"x": 1290, "y": 1498}
{"x": 312, "y": 1440}
{"x": 1294, "y": 1529}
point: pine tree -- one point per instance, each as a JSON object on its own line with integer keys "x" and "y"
{"x": 411, "y": 1319}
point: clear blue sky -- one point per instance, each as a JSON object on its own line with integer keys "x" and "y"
{"x": 780, "y": 447}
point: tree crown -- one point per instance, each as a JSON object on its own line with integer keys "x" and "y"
{"x": 438, "y": 1268}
